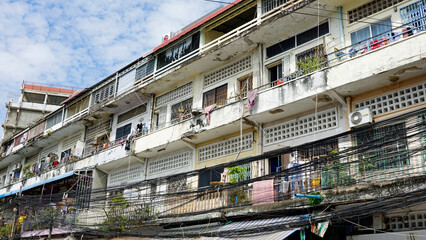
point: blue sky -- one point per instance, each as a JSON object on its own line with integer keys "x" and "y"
{"x": 78, "y": 43}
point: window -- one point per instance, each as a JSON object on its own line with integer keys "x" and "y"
{"x": 311, "y": 60}
{"x": 181, "y": 111}
{"x": 377, "y": 31}
{"x": 217, "y": 95}
{"x": 179, "y": 50}
{"x": 104, "y": 92}
{"x": 207, "y": 176}
{"x": 145, "y": 69}
{"x": 123, "y": 131}
{"x": 383, "y": 148}
{"x": 131, "y": 113}
{"x": 55, "y": 119}
{"x": 297, "y": 40}
{"x": 246, "y": 85}
{"x": 65, "y": 155}
{"x": 34, "y": 97}
{"x": 78, "y": 107}
{"x": 275, "y": 72}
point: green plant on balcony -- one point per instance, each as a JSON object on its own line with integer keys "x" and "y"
{"x": 237, "y": 195}
{"x": 120, "y": 218}
{"x": 5, "y": 231}
{"x": 308, "y": 65}
{"x": 28, "y": 170}
{"x": 365, "y": 164}
{"x": 335, "y": 173}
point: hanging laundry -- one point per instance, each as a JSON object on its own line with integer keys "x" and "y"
{"x": 263, "y": 192}
{"x": 207, "y": 110}
{"x": 251, "y": 97}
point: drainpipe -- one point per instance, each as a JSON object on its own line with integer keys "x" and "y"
{"x": 342, "y": 35}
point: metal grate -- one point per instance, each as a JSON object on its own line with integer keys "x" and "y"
{"x": 83, "y": 191}
{"x": 370, "y": 8}
{"x": 383, "y": 148}
{"x": 181, "y": 111}
{"x": 421, "y": 121}
{"x": 414, "y": 14}
{"x": 268, "y": 5}
{"x": 182, "y": 91}
{"x": 227, "y": 71}
{"x": 226, "y": 147}
{"x": 307, "y": 125}
{"x": 170, "y": 163}
{"x": 395, "y": 100}
{"x": 126, "y": 175}
{"x": 311, "y": 59}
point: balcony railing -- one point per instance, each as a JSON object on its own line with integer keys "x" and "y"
{"x": 376, "y": 42}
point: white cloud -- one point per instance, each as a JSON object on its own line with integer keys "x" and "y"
{"x": 77, "y": 43}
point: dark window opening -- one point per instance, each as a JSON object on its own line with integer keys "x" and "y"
{"x": 179, "y": 50}
{"x": 206, "y": 177}
{"x": 123, "y": 131}
{"x": 312, "y": 33}
{"x": 275, "y": 73}
{"x": 300, "y": 39}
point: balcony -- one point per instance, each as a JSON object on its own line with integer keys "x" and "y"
{"x": 393, "y": 56}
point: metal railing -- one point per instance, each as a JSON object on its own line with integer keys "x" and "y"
{"x": 377, "y": 42}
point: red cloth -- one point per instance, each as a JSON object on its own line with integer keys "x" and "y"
{"x": 207, "y": 111}
{"x": 263, "y": 192}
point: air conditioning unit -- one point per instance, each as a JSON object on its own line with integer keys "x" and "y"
{"x": 378, "y": 222}
{"x": 360, "y": 117}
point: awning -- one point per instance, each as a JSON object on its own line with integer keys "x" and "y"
{"x": 262, "y": 229}
{"x": 59, "y": 177}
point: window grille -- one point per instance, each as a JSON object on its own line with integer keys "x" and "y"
{"x": 126, "y": 175}
{"x": 311, "y": 59}
{"x": 246, "y": 174}
{"x": 83, "y": 191}
{"x": 370, "y": 8}
{"x": 246, "y": 85}
{"x": 268, "y": 5}
{"x": 421, "y": 121}
{"x": 180, "y": 92}
{"x": 394, "y": 100}
{"x": 104, "y": 93}
{"x": 170, "y": 163}
{"x": 145, "y": 70}
{"x": 414, "y": 14}
{"x": 383, "y": 148}
{"x": 181, "y": 111}
{"x": 301, "y": 127}
{"x": 177, "y": 184}
{"x": 225, "y": 148}
{"x": 227, "y": 71}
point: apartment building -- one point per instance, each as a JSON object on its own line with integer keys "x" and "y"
{"x": 213, "y": 132}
